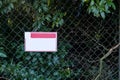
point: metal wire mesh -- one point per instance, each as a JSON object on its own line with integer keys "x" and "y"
{"x": 89, "y": 37}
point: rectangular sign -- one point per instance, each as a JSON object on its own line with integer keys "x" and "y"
{"x": 41, "y": 41}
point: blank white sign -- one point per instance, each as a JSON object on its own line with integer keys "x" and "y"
{"x": 41, "y": 41}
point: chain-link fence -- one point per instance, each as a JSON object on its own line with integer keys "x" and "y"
{"x": 82, "y": 41}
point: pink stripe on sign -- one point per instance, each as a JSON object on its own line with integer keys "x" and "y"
{"x": 43, "y": 35}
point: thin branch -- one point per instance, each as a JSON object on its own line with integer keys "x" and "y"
{"x": 105, "y": 56}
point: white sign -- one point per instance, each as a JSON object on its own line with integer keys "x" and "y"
{"x": 41, "y": 41}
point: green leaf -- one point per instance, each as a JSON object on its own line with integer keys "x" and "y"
{"x": 48, "y": 18}
{"x": 3, "y": 55}
{"x": 113, "y": 6}
{"x": 28, "y": 58}
{"x": 92, "y": 3}
{"x": 61, "y": 22}
{"x": 45, "y": 8}
{"x": 11, "y": 5}
{"x": 48, "y": 2}
{"x": 39, "y": 10}
{"x": 0, "y": 4}
{"x": 96, "y": 11}
{"x": 102, "y": 2}
{"x": 107, "y": 8}
{"x": 89, "y": 9}
{"x": 34, "y": 59}
{"x": 102, "y": 15}
{"x": 55, "y": 59}
{"x": 56, "y": 73}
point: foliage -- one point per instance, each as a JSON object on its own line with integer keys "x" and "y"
{"x": 20, "y": 65}
{"x": 100, "y": 7}
{"x": 2, "y": 53}
{"x": 42, "y": 11}
{"x": 38, "y": 66}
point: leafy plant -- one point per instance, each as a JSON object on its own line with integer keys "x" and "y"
{"x": 39, "y": 66}
{"x": 41, "y": 10}
{"x": 100, "y": 7}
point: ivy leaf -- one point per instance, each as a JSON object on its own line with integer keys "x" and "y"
{"x": 48, "y": 17}
{"x": 45, "y": 8}
{"x": 102, "y": 15}
{"x": 92, "y": 3}
{"x": 61, "y": 22}
{"x": 107, "y": 8}
{"x": 55, "y": 59}
{"x": 113, "y": 6}
{"x": 11, "y": 5}
{"x": 3, "y": 55}
{"x": 56, "y": 73}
